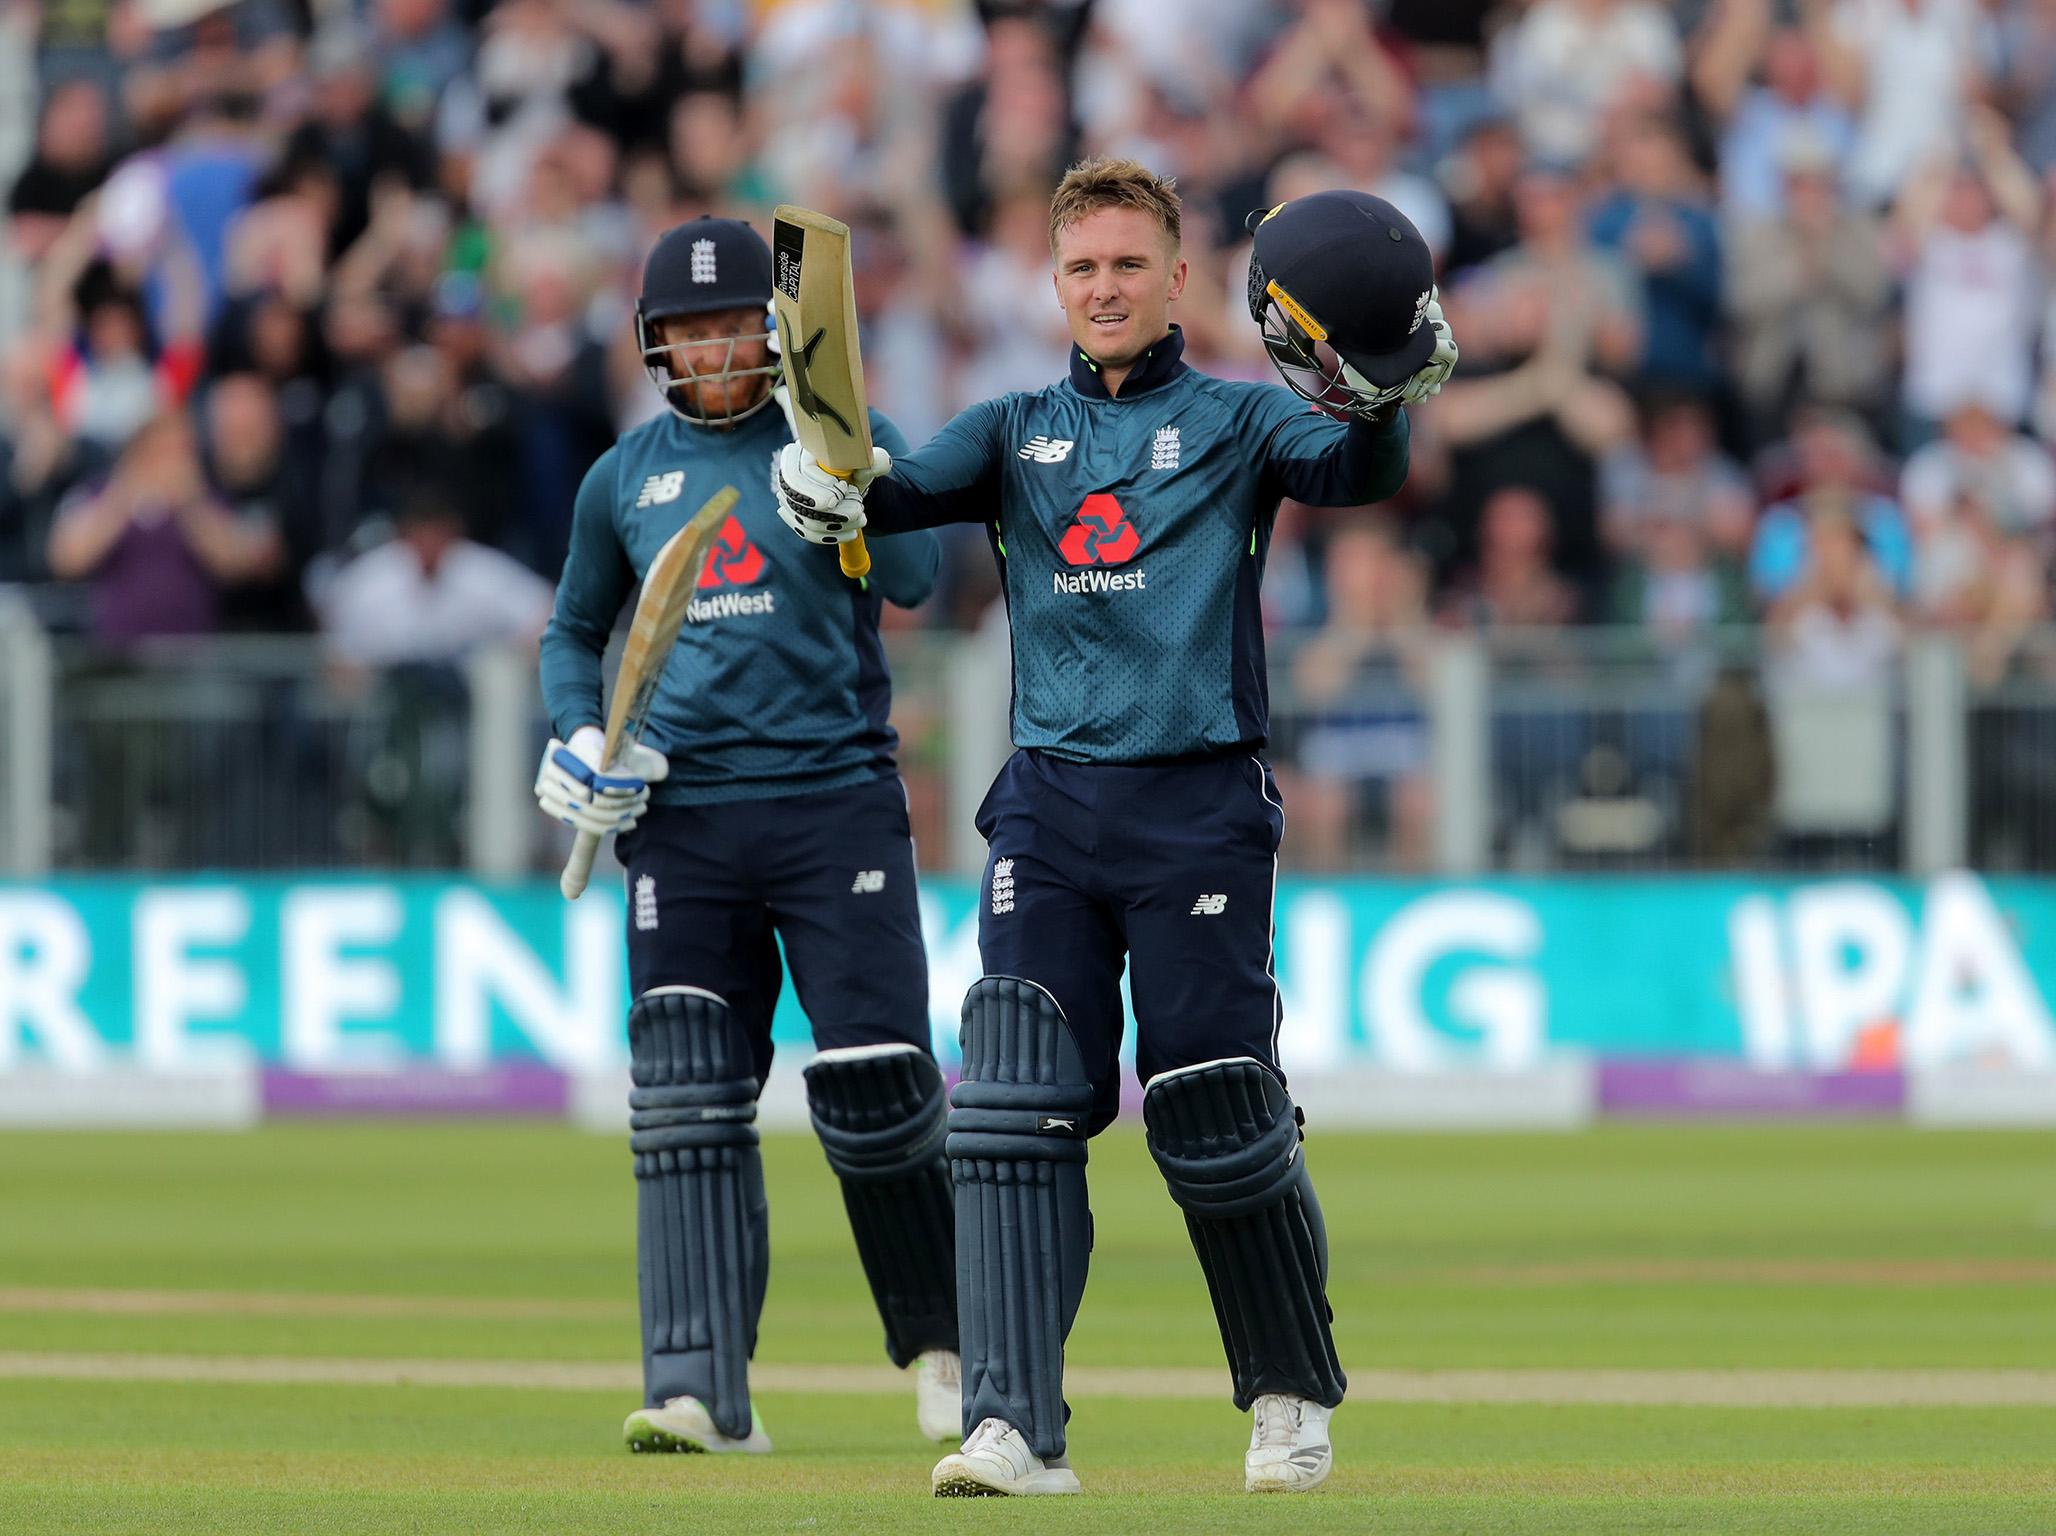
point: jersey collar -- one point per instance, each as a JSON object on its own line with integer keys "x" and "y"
{"x": 1159, "y": 365}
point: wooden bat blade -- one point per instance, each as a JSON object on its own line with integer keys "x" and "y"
{"x": 667, "y": 591}
{"x": 814, "y": 297}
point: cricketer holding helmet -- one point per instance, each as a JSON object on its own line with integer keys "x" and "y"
{"x": 764, "y": 805}
{"x": 1130, "y": 507}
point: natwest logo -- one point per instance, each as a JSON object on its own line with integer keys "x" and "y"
{"x": 733, "y": 561}
{"x": 1101, "y": 534}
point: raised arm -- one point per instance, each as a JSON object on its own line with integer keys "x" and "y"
{"x": 952, "y": 478}
{"x": 903, "y": 566}
{"x": 597, "y": 580}
{"x": 1312, "y": 457}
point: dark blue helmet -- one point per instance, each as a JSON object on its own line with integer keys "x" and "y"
{"x": 1339, "y": 283}
{"x": 703, "y": 266}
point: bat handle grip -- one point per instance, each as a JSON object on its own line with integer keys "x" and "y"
{"x": 579, "y": 867}
{"x": 856, "y": 559}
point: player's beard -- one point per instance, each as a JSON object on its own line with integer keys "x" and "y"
{"x": 722, "y": 402}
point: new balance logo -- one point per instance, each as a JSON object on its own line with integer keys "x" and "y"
{"x": 1163, "y": 452}
{"x": 869, "y": 882}
{"x": 1210, "y": 906}
{"x": 1047, "y": 450}
{"x": 659, "y": 489}
{"x": 646, "y": 904}
{"x": 1101, "y": 534}
{"x": 1002, "y": 887}
{"x": 703, "y": 261}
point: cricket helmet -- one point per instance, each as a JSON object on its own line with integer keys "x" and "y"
{"x": 702, "y": 266}
{"x": 1339, "y": 284}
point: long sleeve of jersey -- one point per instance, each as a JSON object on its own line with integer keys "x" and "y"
{"x": 952, "y": 478}
{"x": 904, "y": 563}
{"x": 597, "y": 580}
{"x": 1315, "y": 459}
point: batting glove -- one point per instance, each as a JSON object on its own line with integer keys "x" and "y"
{"x": 818, "y": 506}
{"x": 570, "y": 786}
{"x": 1441, "y": 362}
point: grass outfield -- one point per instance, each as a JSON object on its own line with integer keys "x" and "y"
{"x": 1595, "y": 1333}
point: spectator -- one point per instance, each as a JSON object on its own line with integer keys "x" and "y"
{"x": 1361, "y": 749}
{"x": 556, "y": 373}
{"x": 1564, "y": 63}
{"x": 2027, "y": 78}
{"x": 421, "y": 51}
{"x": 1594, "y": 304}
{"x": 1527, "y": 409}
{"x": 1791, "y": 105}
{"x": 1836, "y": 627}
{"x": 1909, "y": 69}
{"x": 1809, "y": 302}
{"x": 1010, "y": 132}
{"x": 1658, "y": 226}
{"x": 70, "y": 161}
{"x": 1481, "y": 181}
{"x": 157, "y": 547}
{"x": 1444, "y": 48}
{"x": 1677, "y": 474}
{"x": 1514, "y": 585}
{"x": 1965, "y": 235}
{"x": 269, "y": 495}
{"x": 2008, "y": 475}
{"x": 1669, "y": 584}
{"x": 429, "y": 595}
{"x": 1830, "y": 454}
{"x": 107, "y": 372}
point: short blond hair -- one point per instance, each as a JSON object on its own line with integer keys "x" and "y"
{"x": 1104, "y": 182}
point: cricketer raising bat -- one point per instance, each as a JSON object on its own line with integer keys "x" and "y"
{"x": 667, "y": 590}
{"x": 815, "y": 299}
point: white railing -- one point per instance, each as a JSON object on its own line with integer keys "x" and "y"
{"x": 1571, "y": 749}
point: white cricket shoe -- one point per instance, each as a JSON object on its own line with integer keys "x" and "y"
{"x": 939, "y": 1395}
{"x": 1288, "y": 1448}
{"x": 996, "y": 1460}
{"x": 683, "y": 1424}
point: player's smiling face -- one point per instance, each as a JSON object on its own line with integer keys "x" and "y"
{"x": 713, "y": 356}
{"x": 1117, "y": 276}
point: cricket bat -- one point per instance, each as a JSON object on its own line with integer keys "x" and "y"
{"x": 815, "y": 298}
{"x": 667, "y": 590}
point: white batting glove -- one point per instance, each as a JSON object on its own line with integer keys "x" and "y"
{"x": 570, "y": 786}
{"x": 1435, "y": 372}
{"x": 818, "y": 506}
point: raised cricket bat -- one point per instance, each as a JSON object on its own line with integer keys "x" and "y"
{"x": 815, "y": 298}
{"x": 667, "y": 590}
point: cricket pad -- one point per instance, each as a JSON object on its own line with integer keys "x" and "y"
{"x": 1024, "y": 1230}
{"x": 1226, "y": 1136}
{"x": 881, "y": 1112}
{"x": 702, "y": 1238}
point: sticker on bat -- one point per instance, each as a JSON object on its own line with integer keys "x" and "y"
{"x": 787, "y": 241}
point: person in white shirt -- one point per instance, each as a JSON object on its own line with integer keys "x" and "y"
{"x": 1971, "y": 283}
{"x": 1978, "y": 455}
{"x": 429, "y": 595}
{"x": 1908, "y": 68}
{"x": 1565, "y": 61}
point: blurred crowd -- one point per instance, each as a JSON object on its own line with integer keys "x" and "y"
{"x": 1754, "y": 295}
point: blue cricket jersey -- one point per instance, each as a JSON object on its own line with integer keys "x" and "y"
{"x": 778, "y": 685}
{"x": 1131, "y": 532}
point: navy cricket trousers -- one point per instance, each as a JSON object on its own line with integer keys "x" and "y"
{"x": 1172, "y": 867}
{"x": 712, "y": 889}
